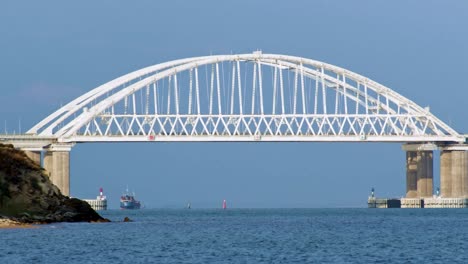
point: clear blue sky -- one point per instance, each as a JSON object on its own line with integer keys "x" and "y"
{"x": 52, "y": 52}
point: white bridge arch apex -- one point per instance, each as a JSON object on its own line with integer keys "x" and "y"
{"x": 244, "y": 97}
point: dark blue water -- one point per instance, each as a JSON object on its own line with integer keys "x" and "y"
{"x": 248, "y": 236}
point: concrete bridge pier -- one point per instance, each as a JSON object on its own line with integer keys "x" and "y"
{"x": 425, "y": 174}
{"x": 454, "y": 172}
{"x": 419, "y": 170}
{"x": 446, "y": 174}
{"x": 411, "y": 174}
{"x": 34, "y": 155}
{"x": 57, "y": 165}
{"x": 460, "y": 173}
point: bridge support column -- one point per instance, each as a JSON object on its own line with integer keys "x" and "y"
{"x": 411, "y": 174}
{"x": 419, "y": 170}
{"x": 33, "y": 155}
{"x": 425, "y": 174}
{"x": 57, "y": 165}
{"x": 459, "y": 173}
{"x": 446, "y": 174}
{"x": 454, "y": 171}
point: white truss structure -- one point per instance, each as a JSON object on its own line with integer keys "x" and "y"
{"x": 246, "y": 97}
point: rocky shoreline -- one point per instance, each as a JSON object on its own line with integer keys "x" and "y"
{"x": 27, "y": 196}
{"x": 8, "y": 223}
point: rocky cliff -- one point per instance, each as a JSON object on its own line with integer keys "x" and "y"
{"x": 27, "y": 195}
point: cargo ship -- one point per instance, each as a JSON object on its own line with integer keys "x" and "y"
{"x": 128, "y": 201}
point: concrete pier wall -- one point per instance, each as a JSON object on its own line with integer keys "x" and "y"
{"x": 446, "y": 174}
{"x": 57, "y": 165}
{"x": 457, "y": 184}
{"x": 48, "y": 161}
{"x": 464, "y": 166}
{"x": 419, "y": 174}
{"x": 459, "y": 174}
{"x": 34, "y": 156}
{"x": 411, "y": 174}
{"x": 56, "y": 161}
{"x": 454, "y": 173}
{"x": 439, "y": 202}
{"x": 425, "y": 174}
{"x": 97, "y": 204}
{"x": 412, "y": 203}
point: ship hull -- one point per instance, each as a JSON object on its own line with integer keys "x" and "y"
{"x": 129, "y": 205}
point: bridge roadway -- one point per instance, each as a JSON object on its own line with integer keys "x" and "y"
{"x": 55, "y": 158}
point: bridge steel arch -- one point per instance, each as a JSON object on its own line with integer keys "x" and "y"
{"x": 245, "y": 97}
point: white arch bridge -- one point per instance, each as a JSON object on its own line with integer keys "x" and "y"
{"x": 244, "y": 97}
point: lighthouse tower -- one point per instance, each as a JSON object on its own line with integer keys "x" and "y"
{"x": 101, "y": 196}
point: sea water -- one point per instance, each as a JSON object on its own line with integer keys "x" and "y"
{"x": 248, "y": 236}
